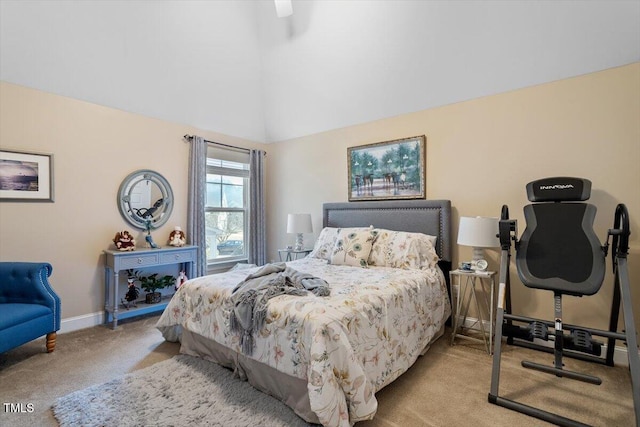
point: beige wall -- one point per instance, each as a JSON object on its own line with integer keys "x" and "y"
{"x": 480, "y": 155}
{"x": 94, "y": 149}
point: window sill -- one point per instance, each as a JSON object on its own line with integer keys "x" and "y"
{"x": 224, "y": 265}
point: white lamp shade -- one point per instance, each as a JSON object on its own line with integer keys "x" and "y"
{"x": 299, "y": 223}
{"x": 479, "y": 232}
{"x": 284, "y": 8}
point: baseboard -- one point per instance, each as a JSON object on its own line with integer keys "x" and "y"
{"x": 620, "y": 355}
{"x": 76, "y": 323}
{"x": 70, "y": 324}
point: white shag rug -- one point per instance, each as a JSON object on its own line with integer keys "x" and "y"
{"x": 181, "y": 391}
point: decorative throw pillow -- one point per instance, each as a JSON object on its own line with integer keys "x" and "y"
{"x": 325, "y": 243}
{"x": 323, "y": 248}
{"x": 401, "y": 249}
{"x": 353, "y": 247}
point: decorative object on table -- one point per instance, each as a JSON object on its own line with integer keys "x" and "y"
{"x": 152, "y": 284}
{"x": 182, "y": 277}
{"x": 299, "y": 224}
{"x": 387, "y": 170}
{"x": 481, "y": 265}
{"x": 133, "y": 292}
{"x": 148, "y": 237}
{"x": 177, "y": 237}
{"x": 124, "y": 241}
{"x": 26, "y": 177}
{"x": 478, "y": 232}
{"x": 465, "y": 266}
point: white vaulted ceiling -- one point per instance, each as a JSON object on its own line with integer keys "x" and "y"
{"x": 234, "y": 67}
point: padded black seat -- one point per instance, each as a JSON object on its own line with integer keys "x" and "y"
{"x": 559, "y": 251}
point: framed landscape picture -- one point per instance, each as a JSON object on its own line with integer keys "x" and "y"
{"x": 26, "y": 177}
{"x": 388, "y": 170}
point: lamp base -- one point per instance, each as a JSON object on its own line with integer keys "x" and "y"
{"x": 478, "y": 263}
{"x": 478, "y": 254}
{"x": 299, "y": 243}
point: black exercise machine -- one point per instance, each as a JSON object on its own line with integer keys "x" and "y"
{"x": 560, "y": 252}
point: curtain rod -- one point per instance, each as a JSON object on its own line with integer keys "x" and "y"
{"x": 190, "y": 137}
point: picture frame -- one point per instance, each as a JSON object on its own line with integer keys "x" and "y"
{"x": 26, "y": 177}
{"x": 388, "y": 170}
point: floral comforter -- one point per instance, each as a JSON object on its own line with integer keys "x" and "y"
{"x": 347, "y": 346}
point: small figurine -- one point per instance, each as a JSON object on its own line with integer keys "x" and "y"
{"x": 124, "y": 241}
{"x": 177, "y": 237}
{"x": 132, "y": 293}
{"x": 148, "y": 237}
{"x": 150, "y": 241}
{"x": 182, "y": 277}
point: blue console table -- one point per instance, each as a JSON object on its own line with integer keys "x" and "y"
{"x": 117, "y": 261}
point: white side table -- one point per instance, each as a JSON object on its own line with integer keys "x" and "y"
{"x": 292, "y": 254}
{"x": 465, "y": 289}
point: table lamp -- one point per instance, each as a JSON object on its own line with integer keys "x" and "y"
{"x": 284, "y": 8}
{"x": 478, "y": 232}
{"x": 299, "y": 224}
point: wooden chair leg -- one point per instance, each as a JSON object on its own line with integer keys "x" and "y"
{"x": 51, "y": 341}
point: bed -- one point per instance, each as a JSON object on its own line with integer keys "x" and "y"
{"x": 327, "y": 356}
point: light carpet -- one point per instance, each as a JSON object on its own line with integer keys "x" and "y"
{"x": 183, "y": 390}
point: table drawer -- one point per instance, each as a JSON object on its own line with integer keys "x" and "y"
{"x": 175, "y": 257}
{"x": 134, "y": 261}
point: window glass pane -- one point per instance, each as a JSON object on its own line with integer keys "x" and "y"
{"x": 229, "y": 194}
{"x": 214, "y": 194}
{"x": 214, "y": 178}
{"x": 225, "y": 234}
{"x": 227, "y": 164}
{"x": 232, "y": 196}
{"x": 233, "y": 180}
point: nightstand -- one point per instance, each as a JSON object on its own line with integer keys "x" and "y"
{"x": 464, "y": 285}
{"x": 292, "y": 254}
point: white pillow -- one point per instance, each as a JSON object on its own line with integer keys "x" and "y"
{"x": 324, "y": 244}
{"x": 353, "y": 247}
{"x": 401, "y": 249}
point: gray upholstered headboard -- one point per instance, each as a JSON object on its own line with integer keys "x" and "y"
{"x": 431, "y": 217}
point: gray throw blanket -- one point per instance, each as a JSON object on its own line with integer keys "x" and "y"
{"x": 250, "y": 297}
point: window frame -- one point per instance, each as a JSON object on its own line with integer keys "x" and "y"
{"x": 224, "y": 262}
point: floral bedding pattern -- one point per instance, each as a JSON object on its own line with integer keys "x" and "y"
{"x": 353, "y": 247}
{"x": 401, "y": 249}
{"x": 347, "y": 346}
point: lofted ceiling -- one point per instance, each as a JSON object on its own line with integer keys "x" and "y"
{"x": 234, "y": 67}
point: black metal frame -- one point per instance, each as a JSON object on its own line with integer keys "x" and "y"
{"x": 505, "y": 326}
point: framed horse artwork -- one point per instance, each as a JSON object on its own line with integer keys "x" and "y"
{"x": 388, "y": 170}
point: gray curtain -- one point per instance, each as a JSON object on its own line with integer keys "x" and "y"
{"x": 257, "y": 216}
{"x": 195, "y": 209}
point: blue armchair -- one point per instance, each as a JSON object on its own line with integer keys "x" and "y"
{"x": 29, "y": 308}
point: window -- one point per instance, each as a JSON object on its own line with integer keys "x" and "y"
{"x": 227, "y": 205}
